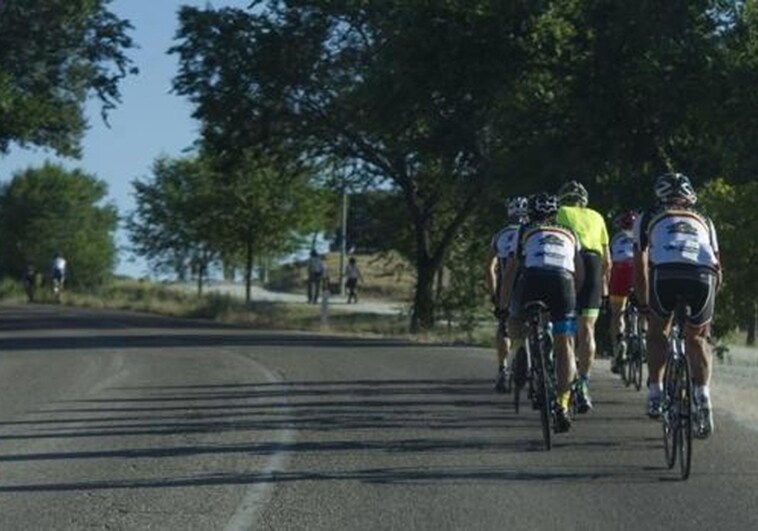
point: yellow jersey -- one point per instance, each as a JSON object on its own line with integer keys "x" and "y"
{"x": 587, "y": 224}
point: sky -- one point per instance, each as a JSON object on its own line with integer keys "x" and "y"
{"x": 151, "y": 121}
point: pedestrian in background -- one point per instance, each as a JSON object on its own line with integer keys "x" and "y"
{"x": 315, "y": 276}
{"x": 353, "y": 275}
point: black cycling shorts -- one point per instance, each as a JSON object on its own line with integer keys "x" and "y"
{"x": 695, "y": 285}
{"x": 589, "y": 297}
{"x": 553, "y": 287}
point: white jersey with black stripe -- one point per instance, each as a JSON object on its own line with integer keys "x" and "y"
{"x": 504, "y": 243}
{"x": 678, "y": 236}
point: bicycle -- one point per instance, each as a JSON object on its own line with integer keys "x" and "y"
{"x": 636, "y": 346}
{"x": 535, "y": 362}
{"x": 677, "y": 397}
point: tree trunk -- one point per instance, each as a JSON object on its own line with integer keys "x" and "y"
{"x": 751, "y": 325}
{"x": 248, "y": 270}
{"x": 200, "y": 273}
{"x": 422, "y": 317}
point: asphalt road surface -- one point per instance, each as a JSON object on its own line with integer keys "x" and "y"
{"x": 124, "y": 421}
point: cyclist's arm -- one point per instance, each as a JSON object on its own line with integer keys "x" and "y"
{"x": 508, "y": 276}
{"x": 641, "y": 280}
{"x": 490, "y": 272}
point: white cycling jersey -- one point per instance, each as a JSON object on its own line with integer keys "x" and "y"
{"x": 678, "y": 237}
{"x": 59, "y": 264}
{"x": 504, "y": 242}
{"x": 622, "y": 246}
{"x": 548, "y": 247}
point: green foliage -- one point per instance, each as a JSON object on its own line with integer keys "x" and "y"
{"x": 50, "y": 209}
{"x": 173, "y": 225}
{"x": 54, "y": 54}
{"x": 733, "y": 209}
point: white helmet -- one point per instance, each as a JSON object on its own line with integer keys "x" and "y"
{"x": 518, "y": 207}
{"x": 675, "y": 186}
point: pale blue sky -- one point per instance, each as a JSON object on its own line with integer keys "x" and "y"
{"x": 150, "y": 121}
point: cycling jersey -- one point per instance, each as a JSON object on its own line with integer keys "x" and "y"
{"x": 622, "y": 246}
{"x": 547, "y": 246}
{"x": 504, "y": 242}
{"x": 677, "y": 236}
{"x": 588, "y": 225}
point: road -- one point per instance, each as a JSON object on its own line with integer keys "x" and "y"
{"x": 124, "y": 421}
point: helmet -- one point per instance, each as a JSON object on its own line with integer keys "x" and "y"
{"x": 518, "y": 207}
{"x": 573, "y": 193}
{"x": 671, "y": 187}
{"x": 625, "y": 220}
{"x": 542, "y": 205}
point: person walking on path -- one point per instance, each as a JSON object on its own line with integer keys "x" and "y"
{"x": 353, "y": 275}
{"x": 315, "y": 276}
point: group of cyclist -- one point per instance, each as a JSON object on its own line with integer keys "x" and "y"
{"x": 32, "y": 278}
{"x": 556, "y": 250}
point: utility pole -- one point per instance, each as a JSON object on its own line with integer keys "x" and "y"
{"x": 343, "y": 238}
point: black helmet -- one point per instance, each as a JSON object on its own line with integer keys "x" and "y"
{"x": 675, "y": 186}
{"x": 542, "y": 205}
{"x": 573, "y": 193}
{"x": 518, "y": 207}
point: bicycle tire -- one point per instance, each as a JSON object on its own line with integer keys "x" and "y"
{"x": 545, "y": 410}
{"x": 670, "y": 421}
{"x": 684, "y": 405}
{"x": 540, "y": 387}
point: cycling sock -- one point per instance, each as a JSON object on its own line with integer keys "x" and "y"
{"x": 585, "y": 378}
{"x": 563, "y": 399}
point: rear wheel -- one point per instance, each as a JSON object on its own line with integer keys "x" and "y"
{"x": 541, "y": 389}
{"x": 670, "y": 412}
{"x": 684, "y": 405}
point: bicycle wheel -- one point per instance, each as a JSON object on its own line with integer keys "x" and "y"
{"x": 684, "y": 405}
{"x": 540, "y": 388}
{"x": 545, "y": 409}
{"x": 670, "y": 412}
{"x": 626, "y": 366}
{"x": 519, "y": 375}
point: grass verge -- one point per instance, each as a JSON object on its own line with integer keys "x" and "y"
{"x": 157, "y": 299}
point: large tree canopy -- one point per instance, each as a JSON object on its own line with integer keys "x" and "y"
{"x": 419, "y": 94}
{"x": 51, "y": 209}
{"x": 54, "y": 54}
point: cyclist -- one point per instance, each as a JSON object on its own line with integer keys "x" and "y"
{"x": 589, "y": 227}
{"x": 552, "y": 268}
{"x": 29, "y": 279}
{"x": 501, "y": 247}
{"x": 58, "y": 272}
{"x": 676, "y": 256}
{"x": 622, "y": 273}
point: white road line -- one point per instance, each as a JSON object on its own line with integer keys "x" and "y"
{"x": 257, "y": 496}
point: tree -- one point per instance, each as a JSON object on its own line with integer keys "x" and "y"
{"x": 733, "y": 208}
{"x": 50, "y": 209}
{"x": 263, "y": 204}
{"x": 174, "y": 223}
{"x": 421, "y": 95}
{"x": 54, "y": 54}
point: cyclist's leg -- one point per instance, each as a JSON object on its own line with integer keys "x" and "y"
{"x": 562, "y": 308}
{"x": 588, "y": 309}
{"x": 701, "y": 297}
